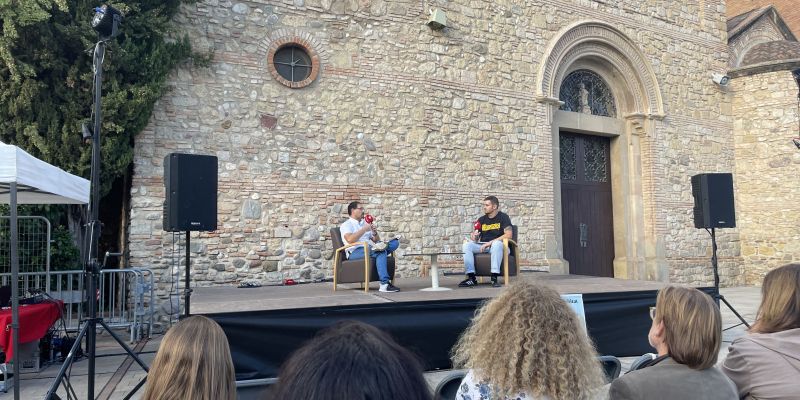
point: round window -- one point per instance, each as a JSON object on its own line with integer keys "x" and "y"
{"x": 293, "y": 64}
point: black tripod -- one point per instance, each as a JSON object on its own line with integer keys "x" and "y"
{"x": 717, "y": 295}
{"x": 107, "y": 15}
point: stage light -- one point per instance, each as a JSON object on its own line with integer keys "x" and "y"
{"x": 106, "y": 21}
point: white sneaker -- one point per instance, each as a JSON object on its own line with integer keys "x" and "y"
{"x": 388, "y": 287}
{"x": 380, "y": 246}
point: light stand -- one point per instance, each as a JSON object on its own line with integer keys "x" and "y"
{"x": 717, "y": 295}
{"x": 106, "y": 22}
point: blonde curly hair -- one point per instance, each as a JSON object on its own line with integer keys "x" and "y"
{"x": 528, "y": 339}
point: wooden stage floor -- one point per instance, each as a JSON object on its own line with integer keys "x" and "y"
{"x": 226, "y": 299}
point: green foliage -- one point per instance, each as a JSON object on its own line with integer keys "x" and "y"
{"x": 64, "y": 255}
{"x": 46, "y": 78}
{"x": 55, "y": 213}
{"x": 15, "y": 16}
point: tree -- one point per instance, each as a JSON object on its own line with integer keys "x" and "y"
{"x": 46, "y": 78}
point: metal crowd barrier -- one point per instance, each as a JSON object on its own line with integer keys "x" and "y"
{"x": 129, "y": 299}
{"x": 126, "y": 296}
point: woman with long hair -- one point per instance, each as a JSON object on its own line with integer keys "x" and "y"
{"x": 687, "y": 333}
{"x": 527, "y": 343}
{"x": 193, "y": 362}
{"x": 765, "y": 364}
{"x": 355, "y": 361}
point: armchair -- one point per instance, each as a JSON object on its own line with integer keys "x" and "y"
{"x": 353, "y": 271}
{"x": 483, "y": 261}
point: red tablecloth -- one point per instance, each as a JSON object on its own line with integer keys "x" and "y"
{"x": 34, "y": 321}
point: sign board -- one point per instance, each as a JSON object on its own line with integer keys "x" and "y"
{"x": 575, "y": 301}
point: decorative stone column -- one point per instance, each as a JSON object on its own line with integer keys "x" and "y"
{"x": 640, "y": 252}
{"x": 554, "y": 249}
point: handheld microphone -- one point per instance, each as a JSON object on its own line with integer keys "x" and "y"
{"x": 369, "y": 218}
{"x": 477, "y": 226}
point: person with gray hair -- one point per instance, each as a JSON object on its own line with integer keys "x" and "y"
{"x": 687, "y": 334}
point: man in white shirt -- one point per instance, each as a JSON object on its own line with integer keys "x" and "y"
{"x": 355, "y": 229}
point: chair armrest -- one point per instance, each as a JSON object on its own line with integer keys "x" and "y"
{"x": 512, "y": 246}
{"x": 347, "y": 246}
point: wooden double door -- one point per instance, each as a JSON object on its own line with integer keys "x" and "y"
{"x": 586, "y": 208}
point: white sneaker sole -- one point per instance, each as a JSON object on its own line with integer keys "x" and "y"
{"x": 379, "y": 247}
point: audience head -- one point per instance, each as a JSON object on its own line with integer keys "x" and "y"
{"x": 780, "y": 300}
{"x": 528, "y": 339}
{"x": 688, "y": 323}
{"x": 193, "y": 362}
{"x": 351, "y": 360}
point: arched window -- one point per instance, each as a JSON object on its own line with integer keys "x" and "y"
{"x": 586, "y": 92}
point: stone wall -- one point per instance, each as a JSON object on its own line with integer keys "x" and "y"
{"x": 419, "y": 125}
{"x": 767, "y": 162}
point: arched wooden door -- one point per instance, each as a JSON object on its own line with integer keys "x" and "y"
{"x": 586, "y": 209}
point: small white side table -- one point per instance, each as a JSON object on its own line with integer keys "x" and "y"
{"x": 434, "y": 269}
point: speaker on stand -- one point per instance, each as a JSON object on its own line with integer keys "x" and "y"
{"x": 714, "y": 208}
{"x": 190, "y": 183}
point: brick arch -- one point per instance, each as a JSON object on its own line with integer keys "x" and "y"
{"x": 600, "y": 41}
{"x": 270, "y": 44}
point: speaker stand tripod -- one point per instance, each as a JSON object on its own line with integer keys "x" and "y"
{"x": 717, "y": 295}
{"x": 187, "y": 288}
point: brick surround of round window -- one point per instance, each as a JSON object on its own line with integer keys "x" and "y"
{"x": 301, "y": 44}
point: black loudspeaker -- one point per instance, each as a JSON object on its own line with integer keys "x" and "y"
{"x": 713, "y": 201}
{"x": 190, "y": 181}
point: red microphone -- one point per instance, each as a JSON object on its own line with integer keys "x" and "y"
{"x": 477, "y": 226}
{"x": 369, "y": 218}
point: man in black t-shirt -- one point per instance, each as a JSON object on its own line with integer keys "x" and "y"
{"x": 495, "y": 226}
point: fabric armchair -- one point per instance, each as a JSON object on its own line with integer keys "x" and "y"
{"x": 361, "y": 271}
{"x": 509, "y": 267}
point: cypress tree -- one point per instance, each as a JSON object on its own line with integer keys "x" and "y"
{"x": 46, "y": 78}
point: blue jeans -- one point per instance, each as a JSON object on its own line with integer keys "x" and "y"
{"x": 470, "y": 248}
{"x": 379, "y": 256}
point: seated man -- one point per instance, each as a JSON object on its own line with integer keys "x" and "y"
{"x": 355, "y": 229}
{"x": 495, "y": 226}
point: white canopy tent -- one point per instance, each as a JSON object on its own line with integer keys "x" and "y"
{"x": 25, "y": 179}
{"x": 37, "y": 181}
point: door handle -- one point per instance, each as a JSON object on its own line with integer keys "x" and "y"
{"x": 584, "y": 237}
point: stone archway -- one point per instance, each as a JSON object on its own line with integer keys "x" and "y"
{"x": 602, "y": 41}
{"x": 607, "y": 51}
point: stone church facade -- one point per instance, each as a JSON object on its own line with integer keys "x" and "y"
{"x": 420, "y": 124}
{"x": 764, "y": 63}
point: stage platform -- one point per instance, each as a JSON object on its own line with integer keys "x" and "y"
{"x": 265, "y": 325}
{"x": 227, "y": 299}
